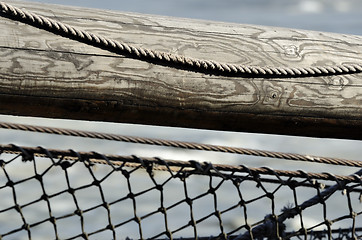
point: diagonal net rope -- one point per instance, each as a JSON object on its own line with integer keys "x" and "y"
{"x": 118, "y": 222}
{"x": 168, "y": 59}
{"x": 290, "y": 213}
{"x": 181, "y": 144}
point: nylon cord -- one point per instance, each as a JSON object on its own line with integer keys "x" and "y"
{"x": 181, "y": 144}
{"x": 117, "y": 160}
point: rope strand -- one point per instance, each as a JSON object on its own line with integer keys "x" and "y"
{"x": 168, "y": 59}
{"x": 206, "y": 168}
{"x": 181, "y": 144}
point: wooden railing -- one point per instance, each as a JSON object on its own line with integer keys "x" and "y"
{"x": 47, "y": 75}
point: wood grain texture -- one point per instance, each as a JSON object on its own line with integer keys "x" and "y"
{"x": 42, "y": 74}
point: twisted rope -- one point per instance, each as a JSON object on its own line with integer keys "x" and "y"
{"x": 259, "y": 231}
{"x": 181, "y": 144}
{"x": 168, "y": 59}
{"x": 206, "y": 168}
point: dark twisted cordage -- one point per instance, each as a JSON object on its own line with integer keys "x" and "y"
{"x": 259, "y": 231}
{"x": 181, "y": 144}
{"x": 203, "y": 168}
{"x": 168, "y": 59}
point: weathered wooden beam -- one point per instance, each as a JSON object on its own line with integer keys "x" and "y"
{"x": 42, "y": 74}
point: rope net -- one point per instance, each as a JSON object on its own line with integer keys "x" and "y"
{"x": 65, "y": 194}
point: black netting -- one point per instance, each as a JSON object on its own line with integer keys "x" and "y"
{"x": 53, "y": 194}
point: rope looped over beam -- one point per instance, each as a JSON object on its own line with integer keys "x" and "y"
{"x": 168, "y": 59}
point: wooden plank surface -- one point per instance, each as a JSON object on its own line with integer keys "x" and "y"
{"x": 42, "y": 74}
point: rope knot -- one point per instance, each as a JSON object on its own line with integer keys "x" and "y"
{"x": 25, "y": 155}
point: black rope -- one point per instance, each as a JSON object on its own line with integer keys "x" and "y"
{"x": 273, "y": 226}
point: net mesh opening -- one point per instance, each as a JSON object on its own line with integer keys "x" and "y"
{"x": 65, "y": 194}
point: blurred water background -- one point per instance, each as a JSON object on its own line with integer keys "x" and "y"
{"x": 324, "y": 15}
